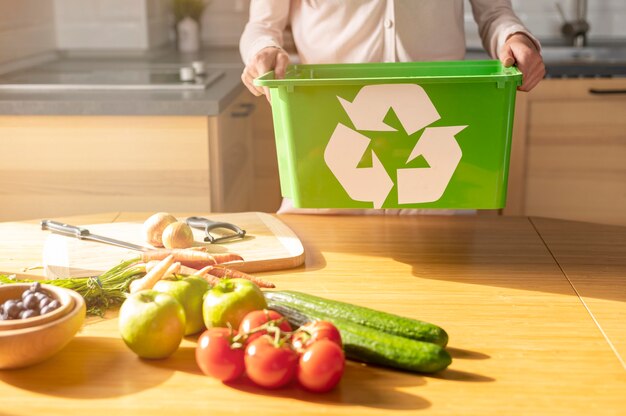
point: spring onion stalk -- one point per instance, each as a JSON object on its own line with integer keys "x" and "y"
{"x": 100, "y": 292}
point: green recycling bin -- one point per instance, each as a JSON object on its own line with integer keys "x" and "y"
{"x": 394, "y": 135}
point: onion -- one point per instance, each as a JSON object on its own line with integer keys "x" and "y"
{"x": 177, "y": 235}
{"x": 153, "y": 227}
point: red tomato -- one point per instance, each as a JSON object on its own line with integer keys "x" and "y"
{"x": 268, "y": 365}
{"x": 255, "y": 319}
{"x": 216, "y": 356}
{"x": 321, "y": 366}
{"x": 314, "y": 331}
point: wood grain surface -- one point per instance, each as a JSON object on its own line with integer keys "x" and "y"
{"x": 593, "y": 258}
{"x": 522, "y": 340}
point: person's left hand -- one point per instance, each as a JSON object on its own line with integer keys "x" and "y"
{"x": 519, "y": 49}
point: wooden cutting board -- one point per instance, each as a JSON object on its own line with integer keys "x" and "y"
{"x": 268, "y": 245}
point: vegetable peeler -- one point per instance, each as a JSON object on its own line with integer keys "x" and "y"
{"x": 208, "y": 225}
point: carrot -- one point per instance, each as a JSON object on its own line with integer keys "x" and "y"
{"x": 191, "y": 258}
{"x": 199, "y": 248}
{"x": 172, "y": 270}
{"x": 226, "y": 257}
{"x": 203, "y": 273}
{"x": 153, "y": 276}
{"x": 207, "y": 276}
{"x": 219, "y": 257}
{"x": 220, "y": 271}
{"x": 175, "y": 268}
{"x": 211, "y": 279}
{"x": 204, "y": 270}
{"x": 187, "y": 271}
{"x": 213, "y": 274}
{"x": 150, "y": 265}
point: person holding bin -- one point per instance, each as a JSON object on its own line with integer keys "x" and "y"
{"x": 369, "y": 31}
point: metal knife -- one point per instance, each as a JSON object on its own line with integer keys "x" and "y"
{"x": 84, "y": 234}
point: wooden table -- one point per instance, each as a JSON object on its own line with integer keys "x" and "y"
{"x": 535, "y": 309}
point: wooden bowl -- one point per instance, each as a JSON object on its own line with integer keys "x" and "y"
{"x": 31, "y": 345}
{"x": 14, "y": 291}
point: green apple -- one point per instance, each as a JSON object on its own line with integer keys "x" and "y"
{"x": 152, "y": 324}
{"x": 189, "y": 291}
{"x": 229, "y": 301}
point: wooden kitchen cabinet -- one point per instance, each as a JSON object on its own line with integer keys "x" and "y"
{"x": 231, "y": 156}
{"x": 266, "y": 194}
{"x": 569, "y": 151}
{"x": 59, "y": 165}
{"x": 245, "y": 167}
{"x": 67, "y": 165}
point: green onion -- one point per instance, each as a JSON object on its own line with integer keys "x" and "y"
{"x": 100, "y": 292}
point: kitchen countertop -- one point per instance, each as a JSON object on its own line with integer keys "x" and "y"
{"x": 210, "y": 102}
{"x": 605, "y": 59}
{"x": 599, "y": 59}
{"x": 534, "y": 308}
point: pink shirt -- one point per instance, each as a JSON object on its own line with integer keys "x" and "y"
{"x": 352, "y": 31}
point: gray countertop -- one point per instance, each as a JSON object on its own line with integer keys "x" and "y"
{"x": 208, "y": 102}
{"x": 598, "y": 60}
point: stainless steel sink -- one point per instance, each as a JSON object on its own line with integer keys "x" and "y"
{"x": 587, "y": 54}
{"x": 606, "y": 61}
{"x": 597, "y": 60}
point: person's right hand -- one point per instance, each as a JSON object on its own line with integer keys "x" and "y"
{"x": 521, "y": 50}
{"x": 264, "y": 61}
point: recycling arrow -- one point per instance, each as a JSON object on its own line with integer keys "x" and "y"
{"x": 415, "y": 111}
{"x": 442, "y": 152}
{"x": 343, "y": 153}
{"x": 409, "y": 101}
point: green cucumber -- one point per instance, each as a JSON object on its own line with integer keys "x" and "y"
{"x": 368, "y": 345}
{"x": 382, "y": 321}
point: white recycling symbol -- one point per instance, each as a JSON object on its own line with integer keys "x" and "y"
{"x": 415, "y": 111}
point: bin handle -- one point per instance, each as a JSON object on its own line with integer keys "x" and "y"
{"x": 247, "y": 109}
{"x": 609, "y": 91}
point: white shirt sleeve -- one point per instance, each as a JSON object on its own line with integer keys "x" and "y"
{"x": 265, "y": 27}
{"x": 496, "y": 23}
